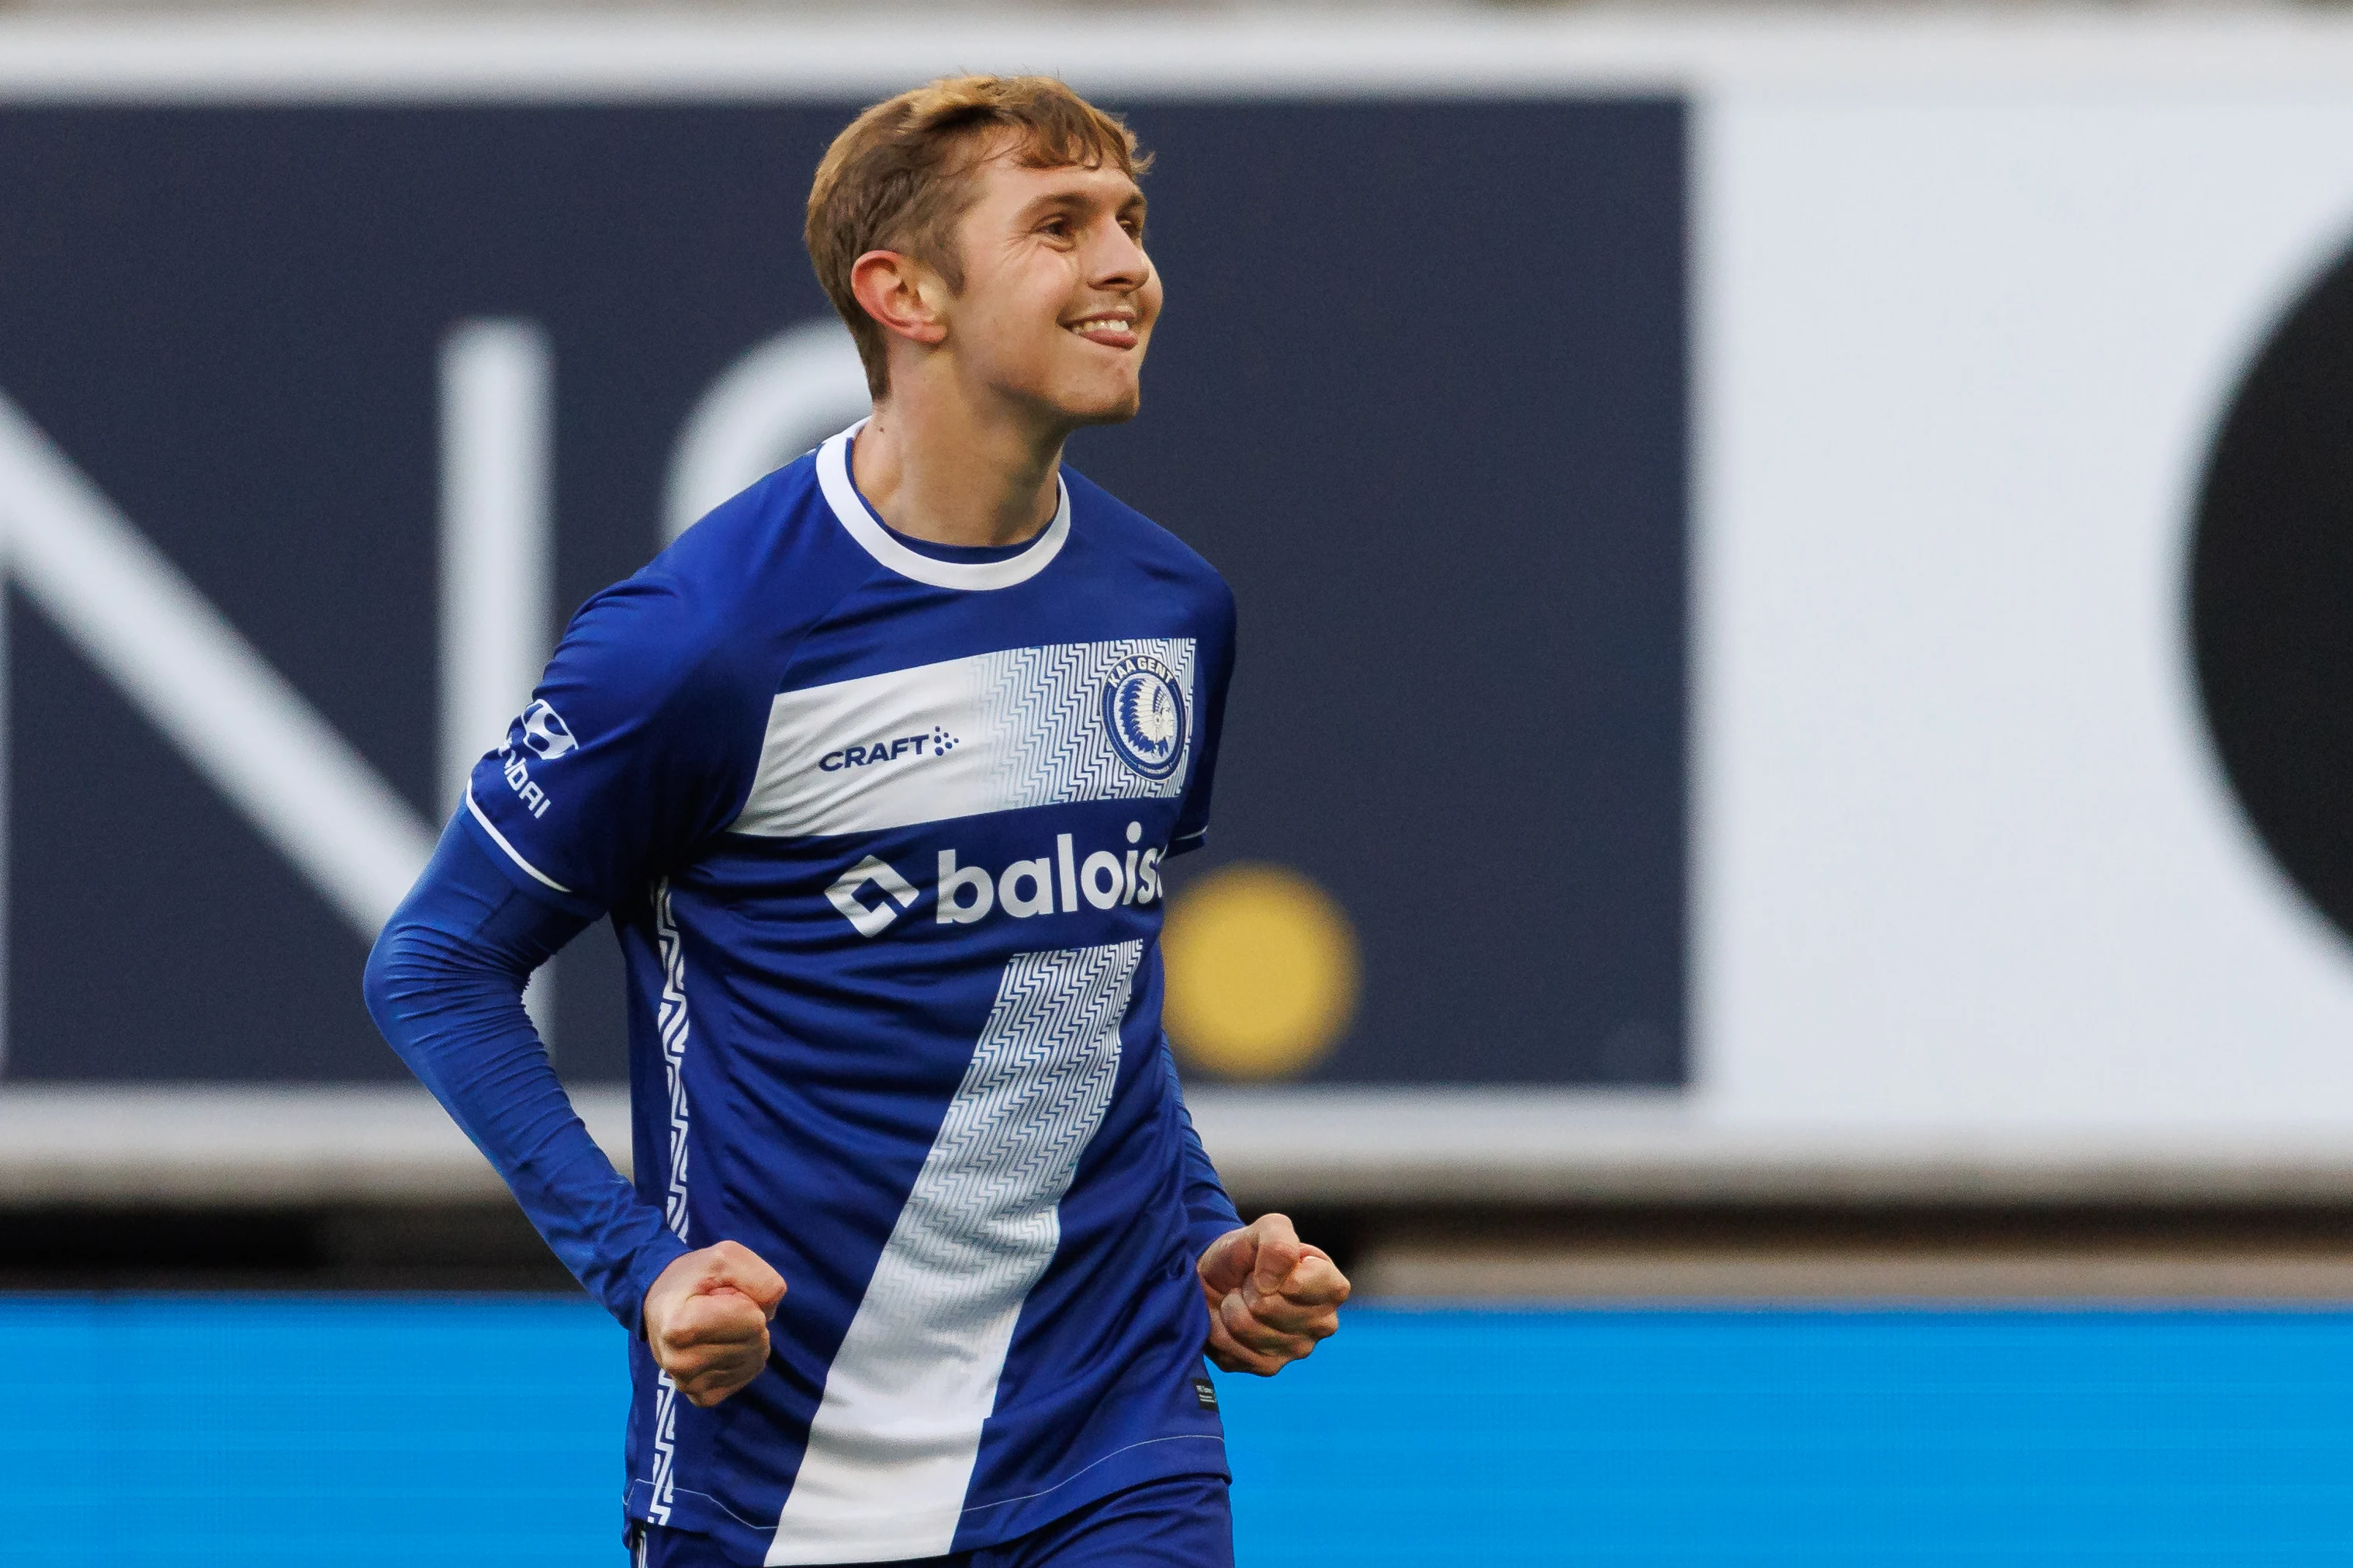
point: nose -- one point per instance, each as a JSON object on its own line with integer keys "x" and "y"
{"x": 1117, "y": 262}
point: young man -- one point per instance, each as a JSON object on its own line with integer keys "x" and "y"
{"x": 874, "y": 771}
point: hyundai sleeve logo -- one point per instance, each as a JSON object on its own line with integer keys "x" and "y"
{"x": 542, "y": 732}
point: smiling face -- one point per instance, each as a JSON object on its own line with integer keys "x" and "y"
{"x": 1058, "y": 299}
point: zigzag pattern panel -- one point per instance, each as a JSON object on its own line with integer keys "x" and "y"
{"x": 1046, "y": 704}
{"x": 998, "y": 732}
{"x": 672, "y": 1021}
{"x": 981, "y": 1217}
{"x": 891, "y": 1449}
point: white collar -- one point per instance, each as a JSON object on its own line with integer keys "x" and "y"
{"x": 841, "y": 494}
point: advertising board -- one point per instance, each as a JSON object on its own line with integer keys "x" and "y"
{"x": 373, "y": 394}
{"x": 1764, "y": 566}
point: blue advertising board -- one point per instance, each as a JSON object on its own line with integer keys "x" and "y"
{"x": 282, "y": 1433}
{"x": 1421, "y": 394}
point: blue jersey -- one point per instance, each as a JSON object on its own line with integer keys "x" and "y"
{"x": 881, "y": 826}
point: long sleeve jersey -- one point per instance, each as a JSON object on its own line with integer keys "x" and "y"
{"x": 880, "y": 826}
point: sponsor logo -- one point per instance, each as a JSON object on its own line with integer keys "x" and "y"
{"x": 1144, "y": 710}
{"x": 1061, "y": 882}
{"x": 871, "y": 918}
{"x": 539, "y": 731}
{"x": 938, "y": 743}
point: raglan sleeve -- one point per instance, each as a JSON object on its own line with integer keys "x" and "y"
{"x": 1215, "y": 663}
{"x": 638, "y": 746}
{"x": 626, "y": 757}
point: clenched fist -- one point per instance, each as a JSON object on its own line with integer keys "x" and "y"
{"x": 707, "y": 1320}
{"x": 1271, "y": 1297}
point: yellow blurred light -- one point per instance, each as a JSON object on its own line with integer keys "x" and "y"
{"x": 1262, "y": 971}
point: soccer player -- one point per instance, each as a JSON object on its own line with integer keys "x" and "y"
{"x": 874, "y": 771}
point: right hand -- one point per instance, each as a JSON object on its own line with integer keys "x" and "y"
{"x": 707, "y": 1320}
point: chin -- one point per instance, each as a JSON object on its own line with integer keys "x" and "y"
{"x": 1103, "y": 408}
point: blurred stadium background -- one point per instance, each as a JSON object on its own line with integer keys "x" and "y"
{"x": 1781, "y": 883}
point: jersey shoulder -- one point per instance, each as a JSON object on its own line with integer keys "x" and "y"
{"x": 1123, "y": 531}
{"x": 775, "y": 545}
{"x": 740, "y": 587}
{"x": 690, "y": 646}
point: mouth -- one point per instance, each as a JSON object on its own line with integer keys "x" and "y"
{"x": 1112, "y": 329}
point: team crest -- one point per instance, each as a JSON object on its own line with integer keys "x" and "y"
{"x": 1144, "y": 711}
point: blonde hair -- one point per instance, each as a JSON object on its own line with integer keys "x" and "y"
{"x": 899, "y": 177}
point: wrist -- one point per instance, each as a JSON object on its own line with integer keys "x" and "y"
{"x": 652, "y": 1262}
{"x": 1203, "y": 1234}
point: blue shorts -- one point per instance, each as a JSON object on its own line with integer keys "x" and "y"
{"x": 1183, "y": 1521}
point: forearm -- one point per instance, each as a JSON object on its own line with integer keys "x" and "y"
{"x": 1208, "y": 1213}
{"x": 445, "y": 984}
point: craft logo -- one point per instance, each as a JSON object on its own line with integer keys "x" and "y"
{"x": 1144, "y": 711}
{"x": 938, "y": 743}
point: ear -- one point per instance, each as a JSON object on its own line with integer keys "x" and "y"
{"x": 901, "y": 293}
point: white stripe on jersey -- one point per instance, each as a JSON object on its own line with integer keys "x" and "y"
{"x": 891, "y": 1447}
{"x": 500, "y": 839}
{"x": 994, "y": 732}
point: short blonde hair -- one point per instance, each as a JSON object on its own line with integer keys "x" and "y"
{"x": 899, "y": 177}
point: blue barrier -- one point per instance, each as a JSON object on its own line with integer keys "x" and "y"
{"x": 270, "y": 1431}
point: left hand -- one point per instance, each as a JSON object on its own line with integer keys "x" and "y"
{"x": 1271, "y": 1297}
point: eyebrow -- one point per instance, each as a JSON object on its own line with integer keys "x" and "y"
{"x": 1133, "y": 202}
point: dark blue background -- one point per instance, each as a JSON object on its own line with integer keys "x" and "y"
{"x": 1420, "y": 394}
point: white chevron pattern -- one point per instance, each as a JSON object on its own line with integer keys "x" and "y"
{"x": 671, "y": 1022}
{"x": 891, "y": 1449}
{"x": 1028, "y": 730}
{"x": 1044, "y": 706}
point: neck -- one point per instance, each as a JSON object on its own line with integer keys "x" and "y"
{"x": 949, "y": 470}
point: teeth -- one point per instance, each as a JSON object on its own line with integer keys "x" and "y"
{"x": 1094, "y": 323}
